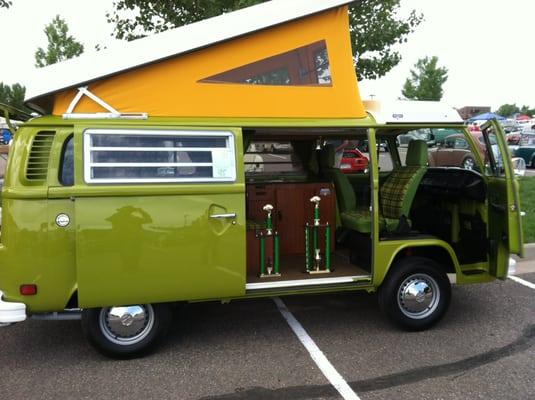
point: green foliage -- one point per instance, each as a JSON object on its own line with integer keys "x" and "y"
{"x": 375, "y": 29}
{"x": 527, "y": 204}
{"x": 507, "y": 110}
{"x": 375, "y": 25}
{"x": 527, "y": 110}
{"x": 61, "y": 46}
{"x": 13, "y": 95}
{"x": 425, "y": 83}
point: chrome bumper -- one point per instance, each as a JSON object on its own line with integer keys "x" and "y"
{"x": 11, "y": 312}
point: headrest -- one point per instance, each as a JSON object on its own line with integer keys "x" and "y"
{"x": 327, "y": 156}
{"x": 416, "y": 154}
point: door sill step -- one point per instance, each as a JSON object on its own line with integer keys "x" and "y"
{"x": 474, "y": 271}
{"x": 307, "y": 282}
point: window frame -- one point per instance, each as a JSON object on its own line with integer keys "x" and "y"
{"x": 230, "y": 148}
{"x": 68, "y": 141}
{"x": 248, "y": 74}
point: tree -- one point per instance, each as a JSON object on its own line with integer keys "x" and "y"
{"x": 508, "y": 110}
{"x": 5, "y": 3}
{"x": 527, "y": 110}
{"x": 425, "y": 83}
{"x": 375, "y": 25}
{"x": 13, "y": 96}
{"x": 61, "y": 46}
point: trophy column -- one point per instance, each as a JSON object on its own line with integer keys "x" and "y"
{"x": 314, "y": 263}
{"x": 269, "y": 247}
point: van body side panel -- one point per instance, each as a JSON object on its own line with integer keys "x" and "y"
{"x": 29, "y": 256}
{"x": 154, "y": 249}
{"x": 388, "y": 249}
{"x": 34, "y": 250}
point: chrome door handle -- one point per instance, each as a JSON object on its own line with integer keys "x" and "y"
{"x": 223, "y": 216}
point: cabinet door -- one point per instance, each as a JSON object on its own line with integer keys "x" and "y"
{"x": 294, "y": 210}
{"x": 257, "y": 197}
{"x": 290, "y": 220}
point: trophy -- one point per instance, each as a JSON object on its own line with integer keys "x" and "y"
{"x": 269, "y": 243}
{"x": 314, "y": 263}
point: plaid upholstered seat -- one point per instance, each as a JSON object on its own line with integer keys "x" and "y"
{"x": 361, "y": 221}
{"x": 395, "y": 195}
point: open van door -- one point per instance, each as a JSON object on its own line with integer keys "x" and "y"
{"x": 505, "y": 225}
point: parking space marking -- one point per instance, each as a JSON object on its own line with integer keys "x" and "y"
{"x": 522, "y": 281}
{"x": 317, "y": 355}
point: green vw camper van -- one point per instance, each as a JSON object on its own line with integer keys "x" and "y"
{"x": 203, "y": 164}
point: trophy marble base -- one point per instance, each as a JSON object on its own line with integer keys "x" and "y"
{"x": 319, "y": 271}
{"x": 270, "y": 275}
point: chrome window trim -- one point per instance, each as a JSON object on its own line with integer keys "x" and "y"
{"x": 230, "y": 149}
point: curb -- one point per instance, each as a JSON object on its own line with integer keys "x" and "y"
{"x": 529, "y": 252}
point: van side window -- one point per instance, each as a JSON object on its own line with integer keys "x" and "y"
{"x": 143, "y": 156}
{"x": 66, "y": 171}
{"x": 305, "y": 66}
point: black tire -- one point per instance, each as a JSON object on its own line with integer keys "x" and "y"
{"x": 403, "y": 308}
{"x": 154, "y": 322}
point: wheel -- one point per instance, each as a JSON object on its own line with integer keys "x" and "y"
{"x": 469, "y": 163}
{"x": 415, "y": 294}
{"x": 126, "y": 332}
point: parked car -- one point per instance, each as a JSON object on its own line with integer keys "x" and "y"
{"x": 526, "y": 149}
{"x": 456, "y": 151}
{"x": 513, "y": 138}
{"x": 5, "y": 136}
{"x": 438, "y": 135}
{"x": 362, "y": 146}
{"x": 419, "y": 134}
{"x": 353, "y": 161}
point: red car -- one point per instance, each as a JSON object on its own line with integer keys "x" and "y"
{"x": 353, "y": 161}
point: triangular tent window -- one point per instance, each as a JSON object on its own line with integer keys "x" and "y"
{"x": 304, "y": 66}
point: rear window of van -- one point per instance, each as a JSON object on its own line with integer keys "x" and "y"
{"x": 138, "y": 156}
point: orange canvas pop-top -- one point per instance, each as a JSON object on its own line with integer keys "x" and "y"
{"x": 299, "y": 69}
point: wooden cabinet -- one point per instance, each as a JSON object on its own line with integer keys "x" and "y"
{"x": 292, "y": 209}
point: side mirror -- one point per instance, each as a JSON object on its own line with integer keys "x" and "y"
{"x": 519, "y": 166}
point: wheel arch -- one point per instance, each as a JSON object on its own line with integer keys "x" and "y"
{"x": 440, "y": 252}
{"x": 468, "y": 156}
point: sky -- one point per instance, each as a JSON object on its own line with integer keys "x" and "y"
{"x": 487, "y": 46}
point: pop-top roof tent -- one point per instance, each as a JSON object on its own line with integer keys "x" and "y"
{"x": 279, "y": 59}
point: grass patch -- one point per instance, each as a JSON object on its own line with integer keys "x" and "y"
{"x": 527, "y": 204}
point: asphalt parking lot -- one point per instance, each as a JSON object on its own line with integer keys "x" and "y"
{"x": 483, "y": 349}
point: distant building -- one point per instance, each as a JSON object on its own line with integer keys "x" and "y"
{"x": 469, "y": 111}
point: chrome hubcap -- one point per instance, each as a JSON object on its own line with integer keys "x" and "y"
{"x": 468, "y": 164}
{"x": 418, "y": 296}
{"x": 126, "y": 325}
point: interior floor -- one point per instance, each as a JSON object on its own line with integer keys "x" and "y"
{"x": 292, "y": 267}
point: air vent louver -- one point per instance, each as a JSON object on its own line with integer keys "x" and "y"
{"x": 38, "y": 161}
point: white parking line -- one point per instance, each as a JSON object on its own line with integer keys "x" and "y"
{"x": 317, "y": 355}
{"x": 522, "y": 281}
